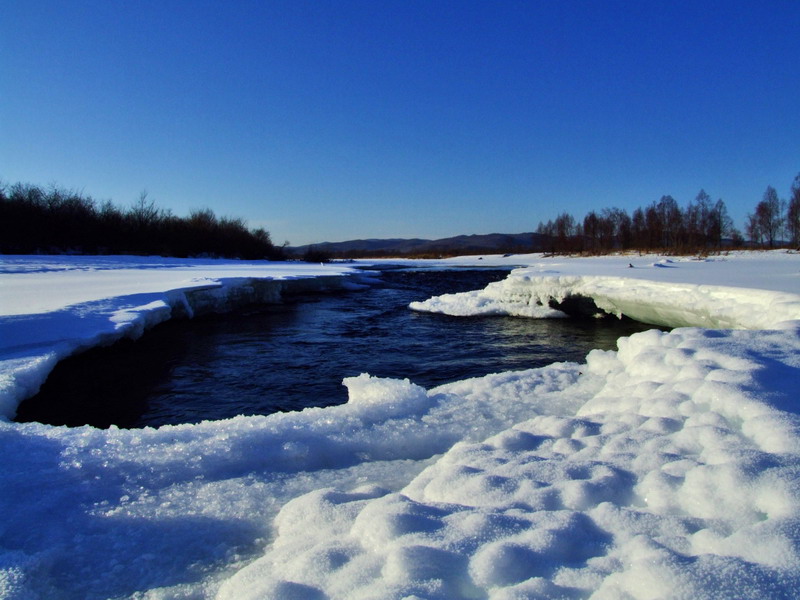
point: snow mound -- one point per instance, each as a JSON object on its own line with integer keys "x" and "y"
{"x": 677, "y": 478}
{"x": 527, "y": 293}
{"x": 495, "y": 299}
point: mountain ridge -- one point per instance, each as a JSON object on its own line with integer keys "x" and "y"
{"x": 472, "y": 243}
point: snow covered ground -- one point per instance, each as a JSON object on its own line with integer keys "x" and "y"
{"x": 667, "y": 469}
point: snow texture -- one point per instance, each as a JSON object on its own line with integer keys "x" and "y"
{"x": 669, "y": 468}
{"x": 669, "y": 292}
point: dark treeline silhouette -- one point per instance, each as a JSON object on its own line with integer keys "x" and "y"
{"x": 54, "y": 220}
{"x": 663, "y": 226}
{"x": 702, "y": 226}
{"x": 775, "y": 221}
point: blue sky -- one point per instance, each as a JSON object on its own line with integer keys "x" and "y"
{"x": 326, "y": 121}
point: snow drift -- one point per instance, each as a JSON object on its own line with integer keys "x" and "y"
{"x": 538, "y": 292}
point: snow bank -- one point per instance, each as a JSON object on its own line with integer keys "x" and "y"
{"x": 53, "y": 307}
{"x": 668, "y": 292}
{"x": 101, "y": 514}
{"x": 667, "y": 469}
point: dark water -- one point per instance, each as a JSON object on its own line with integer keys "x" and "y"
{"x": 295, "y": 355}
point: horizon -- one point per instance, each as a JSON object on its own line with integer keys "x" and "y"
{"x": 336, "y": 121}
{"x": 405, "y": 239}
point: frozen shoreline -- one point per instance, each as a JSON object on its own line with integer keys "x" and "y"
{"x": 52, "y": 309}
{"x": 668, "y": 468}
{"x": 527, "y": 293}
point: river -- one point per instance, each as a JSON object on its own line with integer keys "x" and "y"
{"x": 294, "y": 355}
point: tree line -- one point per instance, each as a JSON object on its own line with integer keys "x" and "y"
{"x": 774, "y": 220}
{"x": 54, "y": 220}
{"x": 702, "y": 226}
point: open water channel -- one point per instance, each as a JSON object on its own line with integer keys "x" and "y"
{"x": 294, "y": 355}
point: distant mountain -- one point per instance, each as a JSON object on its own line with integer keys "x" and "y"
{"x": 461, "y": 244}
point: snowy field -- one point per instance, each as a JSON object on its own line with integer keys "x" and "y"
{"x": 667, "y": 469}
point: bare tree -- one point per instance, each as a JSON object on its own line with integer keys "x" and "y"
{"x": 638, "y": 229}
{"x": 548, "y": 233}
{"x": 565, "y": 232}
{"x": 606, "y": 229}
{"x": 769, "y": 215}
{"x": 793, "y": 213}
{"x": 672, "y": 221}
{"x": 719, "y": 224}
{"x": 144, "y": 211}
{"x": 696, "y": 221}
{"x": 591, "y": 231}
{"x": 752, "y": 229}
{"x": 654, "y": 226}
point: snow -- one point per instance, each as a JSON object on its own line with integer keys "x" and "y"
{"x": 667, "y": 468}
{"x": 741, "y": 291}
{"x": 53, "y": 307}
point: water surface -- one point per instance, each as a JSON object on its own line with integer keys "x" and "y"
{"x": 295, "y": 355}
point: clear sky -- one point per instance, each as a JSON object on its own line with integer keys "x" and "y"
{"x": 333, "y": 120}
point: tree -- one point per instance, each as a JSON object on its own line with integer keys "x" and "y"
{"x": 564, "y": 232}
{"x": 591, "y": 231}
{"x": 638, "y": 229}
{"x": 548, "y": 233}
{"x": 719, "y": 224}
{"x": 262, "y": 236}
{"x": 606, "y": 230}
{"x": 58, "y": 220}
{"x": 144, "y": 211}
{"x": 696, "y": 221}
{"x": 753, "y": 230}
{"x": 625, "y": 229}
{"x": 654, "y": 226}
{"x": 203, "y": 218}
{"x": 769, "y": 215}
{"x": 617, "y": 227}
{"x": 793, "y": 213}
{"x": 671, "y": 221}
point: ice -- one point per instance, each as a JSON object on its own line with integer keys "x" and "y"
{"x": 496, "y": 299}
{"x": 709, "y": 293}
{"x": 53, "y": 307}
{"x": 669, "y": 468}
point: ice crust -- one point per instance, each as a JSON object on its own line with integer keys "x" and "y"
{"x": 669, "y": 468}
{"x": 530, "y": 292}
